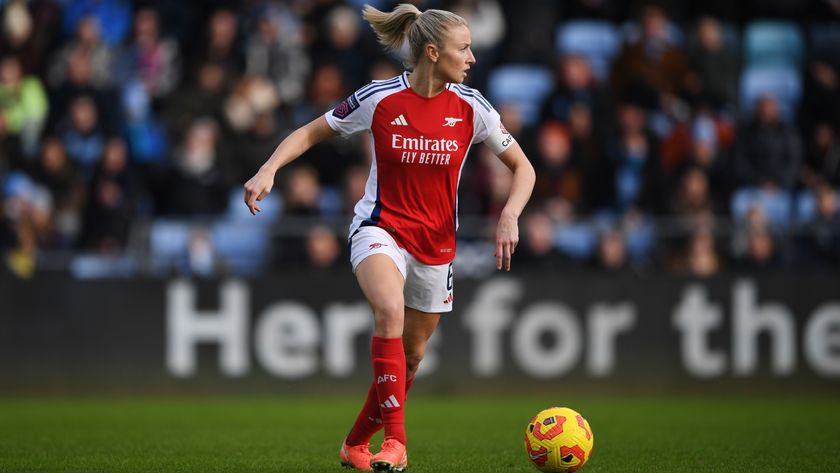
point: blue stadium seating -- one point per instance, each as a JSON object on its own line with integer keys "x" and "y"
{"x": 773, "y": 43}
{"x": 577, "y": 240}
{"x": 168, "y": 240}
{"x": 244, "y": 249}
{"x": 524, "y": 85}
{"x": 597, "y": 41}
{"x": 631, "y": 31}
{"x": 94, "y": 266}
{"x": 777, "y": 205}
{"x": 806, "y": 207}
{"x": 783, "y": 83}
{"x": 805, "y": 204}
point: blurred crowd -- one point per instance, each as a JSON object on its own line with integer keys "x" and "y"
{"x": 671, "y": 135}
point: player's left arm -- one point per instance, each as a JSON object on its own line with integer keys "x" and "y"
{"x": 507, "y": 230}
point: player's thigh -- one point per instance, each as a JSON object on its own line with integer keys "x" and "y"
{"x": 381, "y": 283}
{"x": 379, "y": 266}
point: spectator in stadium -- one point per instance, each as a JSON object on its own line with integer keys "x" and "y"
{"x": 249, "y": 97}
{"x": 632, "y": 168}
{"x": 88, "y": 45}
{"x": 821, "y": 93}
{"x": 754, "y": 246}
{"x": 11, "y": 153}
{"x": 768, "y": 152}
{"x": 323, "y": 250}
{"x": 202, "y": 96}
{"x": 27, "y": 216}
{"x": 558, "y": 176}
{"x": 82, "y": 134}
{"x": 302, "y": 191}
{"x": 700, "y": 257}
{"x": 28, "y": 32}
{"x": 611, "y": 252}
{"x": 410, "y": 199}
{"x": 819, "y": 238}
{"x": 114, "y": 16}
{"x": 275, "y": 50}
{"x": 150, "y": 57}
{"x": 538, "y": 250}
{"x": 651, "y": 67}
{"x": 822, "y": 162}
{"x": 249, "y": 148}
{"x": 78, "y": 81}
{"x": 199, "y": 186}
{"x": 221, "y": 45}
{"x": 340, "y": 45}
{"x": 24, "y": 104}
{"x": 693, "y": 203}
{"x": 110, "y": 209}
{"x": 327, "y": 86}
{"x": 576, "y": 86}
{"x": 54, "y": 170}
{"x": 715, "y": 66}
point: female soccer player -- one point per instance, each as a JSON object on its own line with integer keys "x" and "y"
{"x": 402, "y": 239}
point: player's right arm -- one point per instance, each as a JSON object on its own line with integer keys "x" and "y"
{"x": 287, "y": 151}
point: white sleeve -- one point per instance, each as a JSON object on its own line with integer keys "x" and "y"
{"x": 489, "y": 128}
{"x": 351, "y": 116}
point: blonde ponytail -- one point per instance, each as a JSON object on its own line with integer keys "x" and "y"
{"x": 407, "y": 22}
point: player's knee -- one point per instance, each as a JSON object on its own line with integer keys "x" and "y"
{"x": 388, "y": 318}
{"x": 389, "y": 310}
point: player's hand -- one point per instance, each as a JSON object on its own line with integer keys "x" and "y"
{"x": 507, "y": 237}
{"x": 257, "y": 188}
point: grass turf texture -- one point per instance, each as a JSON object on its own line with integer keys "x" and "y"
{"x": 445, "y": 434}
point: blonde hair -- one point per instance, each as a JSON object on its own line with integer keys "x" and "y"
{"x": 406, "y": 22}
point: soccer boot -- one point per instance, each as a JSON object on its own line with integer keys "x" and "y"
{"x": 392, "y": 457}
{"x": 357, "y": 457}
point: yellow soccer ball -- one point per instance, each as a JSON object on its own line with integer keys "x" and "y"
{"x": 559, "y": 439}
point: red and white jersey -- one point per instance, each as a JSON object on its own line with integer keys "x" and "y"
{"x": 419, "y": 147}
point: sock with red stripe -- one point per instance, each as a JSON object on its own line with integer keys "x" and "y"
{"x": 389, "y": 376}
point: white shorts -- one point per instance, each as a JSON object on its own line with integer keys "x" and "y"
{"x": 428, "y": 288}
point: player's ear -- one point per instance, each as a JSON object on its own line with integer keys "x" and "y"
{"x": 432, "y": 52}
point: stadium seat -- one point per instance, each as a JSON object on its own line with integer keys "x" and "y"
{"x": 777, "y": 205}
{"x": 640, "y": 239}
{"x": 783, "y": 83}
{"x": 93, "y": 266}
{"x": 244, "y": 249}
{"x": 596, "y": 41}
{"x": 577, "y": 240}
{"x": 631, "y": 31}
{"x": 168, "y": 240}
{"x": 523, "y": 85}
{"x": 806, "y": 207}
{"x": 773, "y": 43}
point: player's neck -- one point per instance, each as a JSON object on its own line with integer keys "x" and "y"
{"x": 424, "y": 83}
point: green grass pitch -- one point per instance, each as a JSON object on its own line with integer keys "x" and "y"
{"x": 463, "y": 434}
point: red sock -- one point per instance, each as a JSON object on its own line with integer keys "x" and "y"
{"x": 369, "y": 420}
{"x": 389, "y": 376}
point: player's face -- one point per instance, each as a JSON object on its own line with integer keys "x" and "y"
{"x": 456, "y": 57}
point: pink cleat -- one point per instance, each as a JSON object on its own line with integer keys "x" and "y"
{"x": 392, "y": 457}
{"x": 357, "y": 457}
